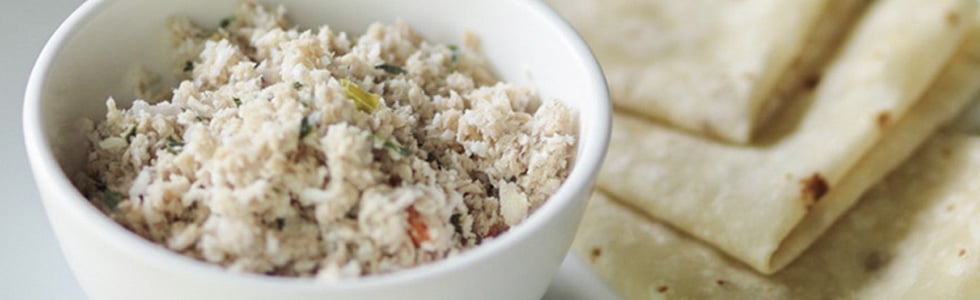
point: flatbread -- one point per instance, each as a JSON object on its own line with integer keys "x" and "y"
{"x": 706, "y": 66}
{"x": 764, "y": 203}
{"x": 914, "y": 236}
{"x": 968, "y": 121}
{"x": 804, "y": 72}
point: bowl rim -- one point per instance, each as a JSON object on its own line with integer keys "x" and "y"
{"x": 50, "y": 176}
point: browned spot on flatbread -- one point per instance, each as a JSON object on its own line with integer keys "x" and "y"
{"x": 811, "y": 81}
{"x": 952, "y": 18}
{"x": 961, "y": 253}
{"x": 814, "y": 188}
{"x": 721, "y": 282}
{"x": 883, "y": 119}
{"x": 950, "y": 207}
{"x": 594, "y": 254}
{"x": 662, "y": 289}
{"x": 874, "y": 261}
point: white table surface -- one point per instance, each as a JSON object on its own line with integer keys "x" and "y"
{"x": 31, "y": 265}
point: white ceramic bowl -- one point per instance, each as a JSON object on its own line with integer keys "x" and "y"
{"x": 88, "y": 58}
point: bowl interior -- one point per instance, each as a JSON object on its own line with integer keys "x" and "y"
{"x": 525, "y": 42}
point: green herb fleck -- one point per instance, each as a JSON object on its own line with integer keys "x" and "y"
{"x": 188, "y": 66}
{"x": 238, "y": 102}
{"x": 297, "y": 85}
{"x": 129, "y": 133}
{"x": 455, "y": 50}
{"x": 227, "y": 21}
{"x": 364, "y": 101}
{"x": 99, "y": 185}
{"x": 305, "y": 126}
{"x": 512, "y": 179}
{"x": 392, "y": 145}
{"x": 280, "y": 223}
{"x": 277, "y": 190}
{"x": 391, "y": 69}
{"x": 174, "y": 146}
{"x": 431, "y": 157}
{"x": 217, "y": 36}
{"x": 110, "y": 199}
{"x": 454, "y": 219}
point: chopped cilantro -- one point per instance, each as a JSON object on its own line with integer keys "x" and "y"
{"x": 305, "y": 127}
{"x": 238, "y": 102}
{"x": 431, "y": 157}
{"x": 227, "y": 21}
{"x": 110, "y": 199}
{"x": 455, "y": 50}
{"x": 100, "y": 185}
{"x": 218, "y": 36}
{"x": 188, "y": 66}
{"x": 129, "y": 133}
{"x": 174, "y": 146}
{"x": 392, "y": 145}
{"x": 391, "y": 69}
{"x": 454, "y": 219}
{"x": 297, "y": 85}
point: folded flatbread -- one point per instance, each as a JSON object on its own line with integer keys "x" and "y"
{"x": 916, "y": 235}
{"x": 707, "y": 66}
{"x": 765, "y": 203}
{"x": 968, "y": 121}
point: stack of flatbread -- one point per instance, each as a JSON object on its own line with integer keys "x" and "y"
{"x": 746, "y": 130}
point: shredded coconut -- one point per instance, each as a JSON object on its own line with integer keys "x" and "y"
{"x": 259, "y": 160}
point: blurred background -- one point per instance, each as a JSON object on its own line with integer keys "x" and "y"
{"x": 31, "y": 266}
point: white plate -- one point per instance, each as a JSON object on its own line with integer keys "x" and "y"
{"x": 31, "y": 263}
